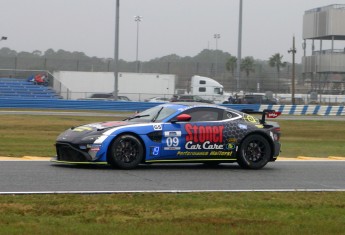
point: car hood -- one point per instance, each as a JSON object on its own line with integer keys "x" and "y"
{"x": 89, "y": 132}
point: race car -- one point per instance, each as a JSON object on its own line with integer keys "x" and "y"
{"x": 175, "y": 133}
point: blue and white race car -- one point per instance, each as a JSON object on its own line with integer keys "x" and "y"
{"x": 171, "y": 133}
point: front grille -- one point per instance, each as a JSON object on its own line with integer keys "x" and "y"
{"x": 66, "y": 152}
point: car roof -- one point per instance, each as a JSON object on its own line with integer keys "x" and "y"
{"x": 194, "y": 104}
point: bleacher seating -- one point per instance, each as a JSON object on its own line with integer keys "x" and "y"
{"x": 20, "y": 88}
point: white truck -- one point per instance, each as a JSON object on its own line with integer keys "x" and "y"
{"x": 136, "y": 86}
{"x": 207, "y": 88}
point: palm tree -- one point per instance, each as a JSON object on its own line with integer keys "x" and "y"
{"x": 276, "y": 61}
{"x": 231, "y": 64}
{"x": 247, "y": 65}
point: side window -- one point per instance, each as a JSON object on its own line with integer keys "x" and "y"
{"x": 229, "y": 115}
{"x": 205, "y": 114}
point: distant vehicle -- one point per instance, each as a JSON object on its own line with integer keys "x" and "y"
{"x": 206, "y": 88}
{"x": 107, "y": 96}
{"x": 175, "y": 133}
{"x": 189, "y": 98}
{"x": 158, "y": 99}
{"x": 258, "y": 99}
{"x": 298, "y": 101}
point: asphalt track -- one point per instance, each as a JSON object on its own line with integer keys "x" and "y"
{"x": 44, "y": 177}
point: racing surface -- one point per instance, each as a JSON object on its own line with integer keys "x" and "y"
{"x": 45, "y": 177}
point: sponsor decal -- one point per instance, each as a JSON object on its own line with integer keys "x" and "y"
{"x": 230, "y": 146}
{"x": 199, "y": 134}
{"x": 172, "y": 143}
{"x": 172, "y": 133}
{"x": 154, "y": 151}
{"x": 232, "y": 140}
{"x": 205, "y": 154}
{"x": 206, "y": 146}
{"x": 273, "y": 114}
{"x": 172, "y": 148}
{"x": 157, "y": 127}
{"x": 82, "y": 128}
{"x": 242, "y": 126}
{"x": 250, "y": 118}
{"x": 204, "y": 137}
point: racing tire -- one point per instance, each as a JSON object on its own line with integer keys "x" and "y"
{"x": 126, "y": 152}
{"x": 254, "y": 152}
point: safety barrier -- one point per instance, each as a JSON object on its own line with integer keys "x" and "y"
{"x": 15, "y": 103}
{"x": 306, "y": 109}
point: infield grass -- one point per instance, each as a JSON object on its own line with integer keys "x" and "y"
{"x": 31, "y": 135}
{"x": 181, "y": 213}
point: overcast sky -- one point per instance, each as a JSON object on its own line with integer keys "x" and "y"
{"x": 182, "y": 27}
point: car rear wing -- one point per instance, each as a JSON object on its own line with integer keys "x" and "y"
{"x": 266, "y": 113}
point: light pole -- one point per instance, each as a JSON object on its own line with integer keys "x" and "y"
{"x": 116, "y": 47}
{"x": 293, "y": 51}
{"x": 239, "y": 49}
{"x": 138, "y": 20}
{"x": 216, "y": 36}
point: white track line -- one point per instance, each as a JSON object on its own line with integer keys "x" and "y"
{"x": 173, "y": 191}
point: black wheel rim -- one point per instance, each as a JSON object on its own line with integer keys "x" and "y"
{"x": 126, "y": 151}
{"x": 255, "y": 151}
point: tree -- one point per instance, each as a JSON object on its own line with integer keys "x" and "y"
{"x": 5, "y": 51}
{"x": 276, "y": 61}
{"x": 231, "y": 64}
{"x": 37, "y": 53}
{"x": 247, "y": 65}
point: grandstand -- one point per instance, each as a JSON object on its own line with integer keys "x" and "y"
{"x": 20, "y": 88}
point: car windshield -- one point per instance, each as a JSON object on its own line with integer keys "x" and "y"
{"x": 155, "y": 114}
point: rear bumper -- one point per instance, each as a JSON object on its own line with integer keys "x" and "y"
{"x": 277, "y": 150}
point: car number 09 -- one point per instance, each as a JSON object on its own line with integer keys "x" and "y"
{"x": 172, "y": 141}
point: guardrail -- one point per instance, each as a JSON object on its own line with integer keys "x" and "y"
{"x": 17, "y": 103}
{"x": 306, "y": 109}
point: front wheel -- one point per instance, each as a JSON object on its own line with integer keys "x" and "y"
{"x": 126, "y": 152}
{"x": 255, "y": 152}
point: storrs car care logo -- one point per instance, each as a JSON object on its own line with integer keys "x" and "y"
{"x": 204, "y": 137}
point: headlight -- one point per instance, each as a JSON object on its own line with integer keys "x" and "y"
{"x": 90, "y": 138}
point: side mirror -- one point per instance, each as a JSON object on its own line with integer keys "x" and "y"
{"x": 182, "y": 118}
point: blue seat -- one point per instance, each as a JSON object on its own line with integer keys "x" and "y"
{"x": 14, "y": 87}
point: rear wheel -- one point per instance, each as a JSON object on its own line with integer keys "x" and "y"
{"x": 126, "y": 152}
{"x": 255, "y": 152}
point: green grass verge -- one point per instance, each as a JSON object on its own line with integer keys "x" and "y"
{"x": 182, "y": 213}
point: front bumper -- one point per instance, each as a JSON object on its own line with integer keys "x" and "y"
{"x": 68, "y": 153}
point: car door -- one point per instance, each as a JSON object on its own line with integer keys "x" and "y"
{"x": 194, "y": 139}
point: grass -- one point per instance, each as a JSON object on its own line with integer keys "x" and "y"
{"x": 33, "y": 135}
{"x": 23, "y": 135}
{"x": 197, "y": 213}
{"x": 312, "y": 138}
